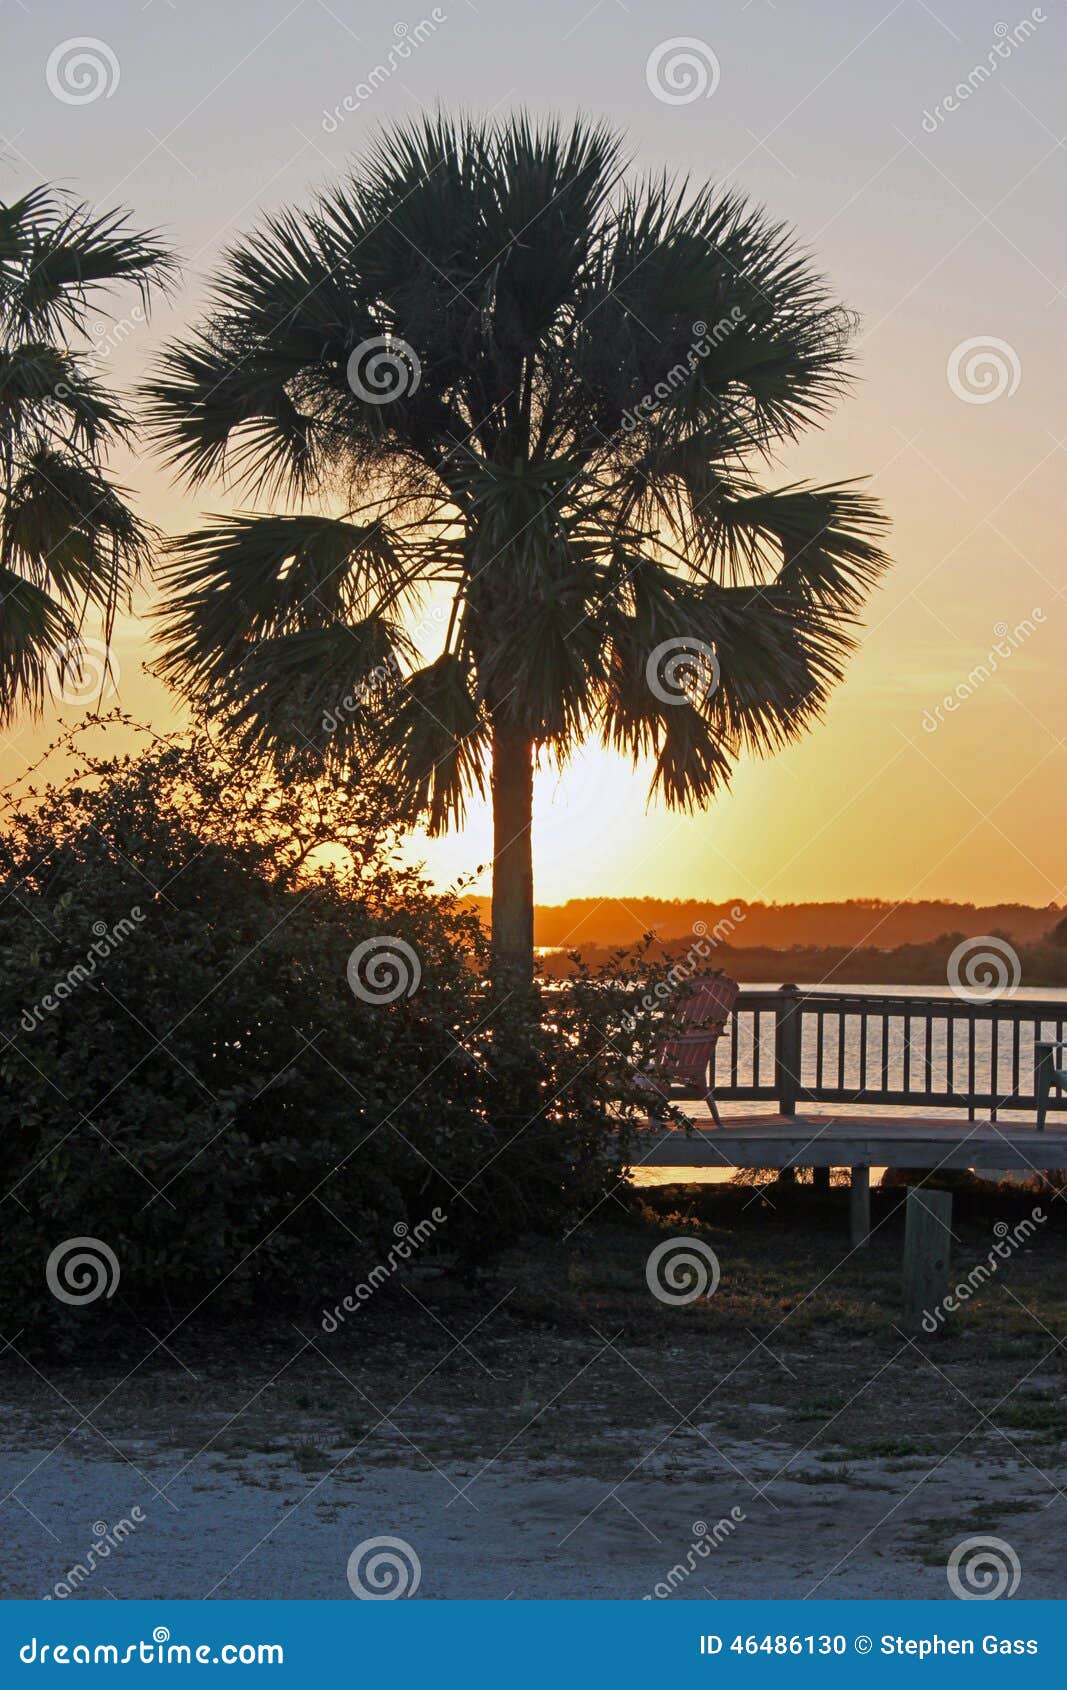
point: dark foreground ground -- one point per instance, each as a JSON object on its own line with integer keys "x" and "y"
{"x": 555, "y": 1430}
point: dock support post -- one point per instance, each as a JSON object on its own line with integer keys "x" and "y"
{"x": 927, "y": 1247}
{"x": 859, "y": 1206}
{"x": 787, "y": 1050}
{"x": 820, "y": 1179}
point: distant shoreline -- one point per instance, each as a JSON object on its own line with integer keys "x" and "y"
{"x": 875, "y": 927}
{"x": 1042, "y": 964}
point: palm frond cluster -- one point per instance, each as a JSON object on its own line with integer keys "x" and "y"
{"x": 497, "y": 368}
{"x": 69, "y": 540}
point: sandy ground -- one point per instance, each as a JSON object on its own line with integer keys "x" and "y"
{"x": 557, "y": 1430}
{"x": 258, "y": 1526}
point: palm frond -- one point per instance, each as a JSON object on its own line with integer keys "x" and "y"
{"x": 310, "y": 697}
{"x": 69, "y": 529}
{"x": 62, "y": 255}
{"x": 33, "y": 629}
{"x": 432, "y": 742}
{"x": 252, "y": 578}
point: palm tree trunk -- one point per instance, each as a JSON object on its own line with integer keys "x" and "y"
{"x": 512, "y": 917}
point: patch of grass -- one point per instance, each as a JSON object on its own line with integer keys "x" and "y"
{"x": 878, "y": 1449}
{"x": 312, "y": 1401}
{"x": 935, "y": 1540}
{"x": 309, "y": 1458}
{"x": 820, "y": 1409}
{"x": 1034, "y": 1414}
{"x": 354, "y": 1428}
{"x": 836, "y": 1476}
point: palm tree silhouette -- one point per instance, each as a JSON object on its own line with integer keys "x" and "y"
{"x": 498, "y": 368}
{"x": 68, "y": 539}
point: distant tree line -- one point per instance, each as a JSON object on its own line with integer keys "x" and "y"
{"x": 874, "y": 923}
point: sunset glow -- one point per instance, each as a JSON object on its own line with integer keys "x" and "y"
{"x": 935, "y": 238}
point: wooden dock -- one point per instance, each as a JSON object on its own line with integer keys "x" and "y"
{"x": 814, "y": 1140}
{"x": 991, "y": 1060}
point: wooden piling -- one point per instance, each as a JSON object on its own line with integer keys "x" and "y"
{"x": 859, "y": 1205}
{"x": 927, "y": 1249}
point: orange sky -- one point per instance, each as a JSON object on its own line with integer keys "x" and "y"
{"x": 936, "y": 238}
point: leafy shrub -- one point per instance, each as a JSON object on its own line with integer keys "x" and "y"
{"x": 188, "y": 1076}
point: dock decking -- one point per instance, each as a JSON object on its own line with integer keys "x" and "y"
{"x": 815, "y": 1140}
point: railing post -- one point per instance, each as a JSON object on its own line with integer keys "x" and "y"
{"x": 1044, "y": 1067}
{"x": 787, "y": 1049}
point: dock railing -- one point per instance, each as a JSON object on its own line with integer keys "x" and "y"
{"x": 794, "y": 1047}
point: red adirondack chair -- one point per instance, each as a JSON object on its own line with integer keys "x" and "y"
{"x": 681, "y": 1069}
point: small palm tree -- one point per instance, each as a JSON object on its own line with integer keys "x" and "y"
{"x": 493, "y": 366}
{"x": 68, "y": 539}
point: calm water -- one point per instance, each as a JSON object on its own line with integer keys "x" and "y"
{"x": 987, "y": 1063}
